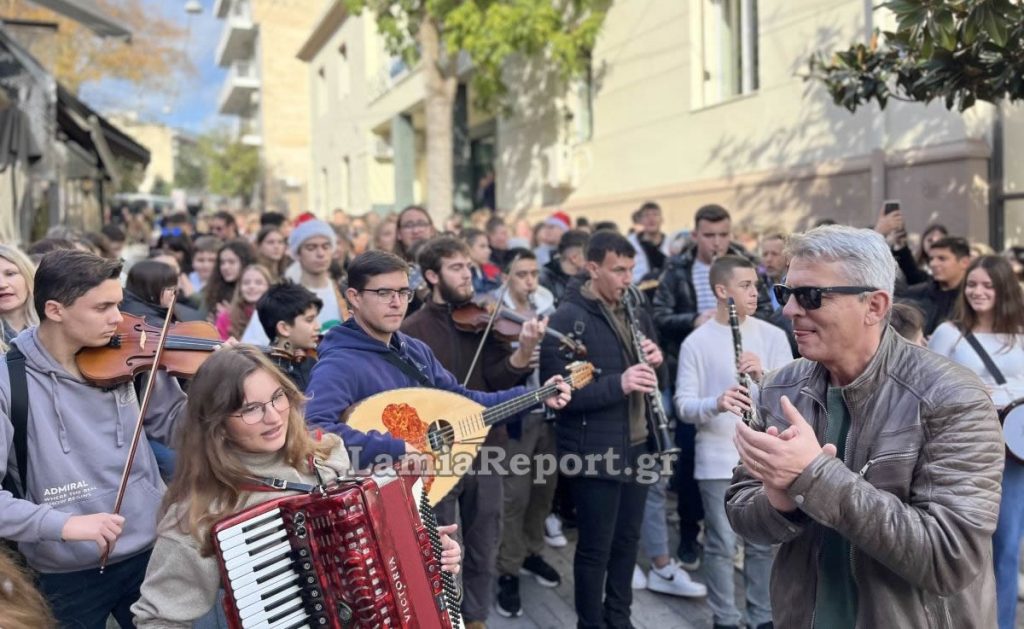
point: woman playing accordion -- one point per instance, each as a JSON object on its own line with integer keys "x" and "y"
{"x": 244, "y": 424}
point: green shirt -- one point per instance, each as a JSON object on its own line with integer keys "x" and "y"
{"x": 835, "y": 606}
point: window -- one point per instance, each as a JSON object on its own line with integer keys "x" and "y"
{"x": 321, "y": 91}
{"x": 728, "y": 54}
{"x": 343, "y": 73}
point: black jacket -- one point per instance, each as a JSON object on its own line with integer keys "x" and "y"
{"x": 675, "y": 300}
{"x": 936, "y": 304}
{"x": 553, "y": 278}
{"x": 597, "y": 418}
{"x": 155, "y": 314}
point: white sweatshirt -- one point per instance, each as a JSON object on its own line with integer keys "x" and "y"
{"x": 707, "y": 367}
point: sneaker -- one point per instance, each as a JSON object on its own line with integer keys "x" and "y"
{"x": 509, "y": 605}
{"x": 553, "y": 532}
{"x": 639, "y": 578}
{"x": 689, "y": 555}
{"x": 672, "y": 579}
{"x": 541, "y": 570}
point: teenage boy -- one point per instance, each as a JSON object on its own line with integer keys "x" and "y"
{"x": 707, "y": 395}
{"x": 64, "y": 441}
{"x": 288, "y": 313}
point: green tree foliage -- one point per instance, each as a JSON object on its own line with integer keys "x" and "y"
{"x": 232, "y": 168}
{"x": 160, "y": 187}
{"x": 490, "y": 32}
{"x": 189, "y": 167}
{"x": 130, "y": 173}
{"x": 959, "y": 51}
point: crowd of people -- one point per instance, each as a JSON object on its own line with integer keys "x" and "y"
{"x": 834, "y": 397}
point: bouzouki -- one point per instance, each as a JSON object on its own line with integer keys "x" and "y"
{"x": 447, "y": 425}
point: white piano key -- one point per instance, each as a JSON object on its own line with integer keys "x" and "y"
{"x": 244, "y": 584}
{"x": 292, "y": 621}
{"x": 247, "y": 548}
{"x": 245, "y": 564}
{"x": 241, "y": 527}
{"x": 244, "y": 602}
{"x": 262, "y": 620}
{"x": 248, "y": 536}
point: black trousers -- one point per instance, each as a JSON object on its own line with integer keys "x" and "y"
{"x": 84, "y": 599}
{"x": 609, "y": 516}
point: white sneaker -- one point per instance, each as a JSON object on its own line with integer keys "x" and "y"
{"x": 553, "y": 532}
{"x": 639, "y": 578}
{"x": 672, "y": 579}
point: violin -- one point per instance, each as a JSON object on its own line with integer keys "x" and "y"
{"x": 133, "y": 347}
{"x": 473, "y": 317}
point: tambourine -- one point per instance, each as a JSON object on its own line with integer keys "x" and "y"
{"x": 1012, "y": 419}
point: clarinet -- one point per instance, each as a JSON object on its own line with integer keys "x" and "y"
{"x": 657, "y": 419}
{"x": 750, "y": 417}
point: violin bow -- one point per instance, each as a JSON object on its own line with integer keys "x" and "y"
{"x": 490, "y": 323}
{"x": 138, "y": 424}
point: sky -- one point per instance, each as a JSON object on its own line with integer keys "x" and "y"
{"x": 191, "y": 104}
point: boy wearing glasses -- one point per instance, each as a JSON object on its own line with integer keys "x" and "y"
{"x": 708, "y": 396}
{"x": 890, "y": 522}
{"x": 367, "y": 354}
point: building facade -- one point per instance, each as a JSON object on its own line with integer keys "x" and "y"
{"x": 688, "y": 102}
{"x": 266, "y": 89}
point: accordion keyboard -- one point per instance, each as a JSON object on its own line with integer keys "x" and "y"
{"x": 274, "y": 585}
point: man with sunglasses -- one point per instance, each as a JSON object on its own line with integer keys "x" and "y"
{"x": 878, "y": 470}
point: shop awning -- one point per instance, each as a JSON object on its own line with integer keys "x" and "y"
{"x": 87, "y": 13}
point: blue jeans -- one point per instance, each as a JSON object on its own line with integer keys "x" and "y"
{"x": 719, "y": 548}
{"x": 1006, "y": 542}
{"x": 654, "y": 532}
{"x": 84, "y": 599}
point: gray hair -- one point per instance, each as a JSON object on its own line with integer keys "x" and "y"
{"x": 863, "y": 254}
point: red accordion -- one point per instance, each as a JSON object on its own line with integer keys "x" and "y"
{"x": 354, "y": 555}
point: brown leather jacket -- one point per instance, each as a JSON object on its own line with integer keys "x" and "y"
{"x": 917, "y": 497}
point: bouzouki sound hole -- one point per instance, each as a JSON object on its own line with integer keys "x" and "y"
{"x": 440, "y": 436}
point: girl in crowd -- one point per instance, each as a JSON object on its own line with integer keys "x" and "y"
{"x": 358, "y": 235}
{"x": 386, "y": 234}
{"x": 486, "y": 274}
{"x": 932, "y": 234}
{"x": 204, "y": 259}
{"x": 244, "y": 421}
{"x": 254, "y": 282}
{"x": 17, "y": 311}
{"x": 991, "y": 308}
{"x": 271, "y": 246}
{"x": 148, "y": 291}
{"x": 232, "y": 257}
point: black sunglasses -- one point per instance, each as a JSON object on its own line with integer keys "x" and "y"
{"x": 809, "y": 297}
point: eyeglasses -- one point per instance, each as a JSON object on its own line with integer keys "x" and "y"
{"x": 387, "y": 294}
{"x": 255, "y": 412}
{"x": 809, "y": 297}
{"x": 415, "y": 225}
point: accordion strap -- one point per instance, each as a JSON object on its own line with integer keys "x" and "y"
{"x": 268, "y": 483}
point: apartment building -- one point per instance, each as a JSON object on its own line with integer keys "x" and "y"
{"x": 688, "y": 102}
{"x": 267, "y": 90}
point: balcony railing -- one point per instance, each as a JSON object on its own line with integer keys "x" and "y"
{"x": 241, "y": 83}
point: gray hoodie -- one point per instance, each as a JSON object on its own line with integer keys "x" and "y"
{"x": 78, "y": 440}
